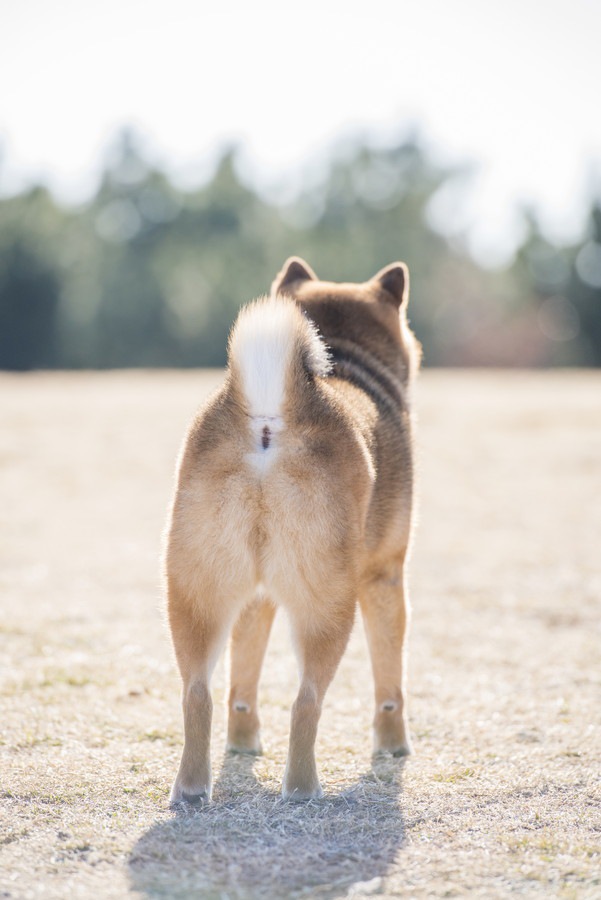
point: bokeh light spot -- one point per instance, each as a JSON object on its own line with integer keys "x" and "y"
{"x": 588, "y": 264}
{"x": 118, "y": 221}
{"x": 558, "y": 319}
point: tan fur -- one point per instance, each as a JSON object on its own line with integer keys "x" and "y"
{"x": 325, "y": 526}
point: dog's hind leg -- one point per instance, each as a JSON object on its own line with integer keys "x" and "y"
{"x": 385, "y": 609}
{"x": 249, "y": 641}
{"x": 319, "y": 652}
{"x": 197, "y": 641}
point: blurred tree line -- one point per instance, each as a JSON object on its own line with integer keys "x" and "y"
{"x": 148, "y": 275}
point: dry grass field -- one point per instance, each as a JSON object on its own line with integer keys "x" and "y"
{"x": 502, "y": 795}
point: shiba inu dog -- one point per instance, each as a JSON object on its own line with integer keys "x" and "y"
{"x": 295, "y": 489}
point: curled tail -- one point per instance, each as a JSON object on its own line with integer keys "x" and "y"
{"x": 274, "y": 351}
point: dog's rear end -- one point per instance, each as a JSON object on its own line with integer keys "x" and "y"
{"x": 277, "y": 503}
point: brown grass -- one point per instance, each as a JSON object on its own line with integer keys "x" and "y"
{"x": 502, "y": 795}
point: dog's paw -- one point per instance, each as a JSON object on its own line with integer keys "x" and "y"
{"x": 404, "y": 749}
{"x": 299, "y": 794}
{"x": 397, "y": 750}
{"x": 243, "y": 731}
{"x": 391, "y": 734}
{"x": 244, "y": 749}
{"x": 190, "y": 796}
{"x": 400, "y": 747}
{"x": 244, "y": 740}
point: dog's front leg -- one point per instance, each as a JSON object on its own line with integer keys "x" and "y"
{"x": 319, "y": 654}
{"x": 385, "y": 608}
{"x": 249, "y": 642}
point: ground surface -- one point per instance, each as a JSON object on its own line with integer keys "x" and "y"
{"x": 502, "y": 794}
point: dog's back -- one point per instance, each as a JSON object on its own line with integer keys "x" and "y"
{"x": 294, "y": 487}
{"x": 371, "y": 347}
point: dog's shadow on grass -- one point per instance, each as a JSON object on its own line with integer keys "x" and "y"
{"x": 249, "y": 843}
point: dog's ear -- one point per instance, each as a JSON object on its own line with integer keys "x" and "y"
{"x": 394, "y": 281}
{"x": 294, "y": 269}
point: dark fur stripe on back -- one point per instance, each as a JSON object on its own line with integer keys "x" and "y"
{"x": 362, "y": 369}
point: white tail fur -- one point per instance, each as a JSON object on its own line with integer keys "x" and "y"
{"x": 264, "y": 340}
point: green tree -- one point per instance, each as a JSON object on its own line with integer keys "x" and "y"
{"x": 30, "y": 281}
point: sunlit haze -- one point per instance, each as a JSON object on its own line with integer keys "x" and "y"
{"x": 511, "y": 87}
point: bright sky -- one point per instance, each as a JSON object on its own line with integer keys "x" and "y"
{"x": 511, "y": 85}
